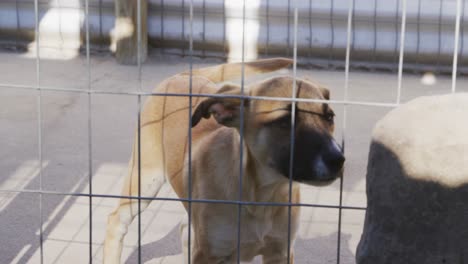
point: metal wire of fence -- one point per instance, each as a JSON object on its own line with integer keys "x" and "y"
{"x": 39, "y": 88}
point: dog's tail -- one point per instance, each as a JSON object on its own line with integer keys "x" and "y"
{"x": 232, "y": 71}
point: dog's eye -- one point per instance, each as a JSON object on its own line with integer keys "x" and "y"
{"x": 328, "y": 116}
{"x": 283, "y": 122}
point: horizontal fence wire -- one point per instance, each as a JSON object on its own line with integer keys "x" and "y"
{"x": 210, "y": 201}
{"x": 244, "y": 97}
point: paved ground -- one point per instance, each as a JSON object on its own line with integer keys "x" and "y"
{"x": 65, "y": 160}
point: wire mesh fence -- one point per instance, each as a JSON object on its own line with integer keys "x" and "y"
{"x": 299, "y": 21}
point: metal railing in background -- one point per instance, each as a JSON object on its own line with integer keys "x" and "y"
{"x": 322, "y": 29}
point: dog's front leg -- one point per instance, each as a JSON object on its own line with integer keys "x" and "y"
{"x": 278, "y": 258}
{"x": 277, "y": 254}
{"x": 201, "y": 255}
{"x": 183, "y": 229}
{"x": 204, "y": 259}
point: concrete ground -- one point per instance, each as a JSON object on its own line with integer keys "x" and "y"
{"x": 66, "y": 221}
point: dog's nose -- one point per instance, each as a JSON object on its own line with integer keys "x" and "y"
{"x": 333, "y": 157}
{"x": 334, "y": 160}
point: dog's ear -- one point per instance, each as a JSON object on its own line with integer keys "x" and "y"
{"x": 224, "y": 110}
{"x": 325, "y": 92}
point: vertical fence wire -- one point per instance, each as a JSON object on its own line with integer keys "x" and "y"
{"x": 353, "y": 36}
{"x": 439, "y": 33}
{"x": 204, "y": 29}
{"x": 267, "y": 39}
{"x": 18, "y": 25}
{"x": 182, "y": 34}
{"x": 292, "y": 132}
{"x": 288, "y": 35}
{"x": 162, "y": 25}
{"x": 139, "y": 62}
{"x": 332, "y": 40}
{"x": 310, "y": 30}
{"x": 225, "y": 52}
{"x": 402, "y": 51}
{"x": 90, "y": 138}
{"x": 139, "y": 174}
{"x": 189, "y": 195}
{"x": 397, "y": 15}
{"x": 349, "y": 38}
{"x": 418, "y": 32}
{"x": 462, "y": 29}
{"x": 374, "y": 20}
{"x": 241, "y": 138}
{"x": 100, "y": 25}
{"x": 455, "y": 49}
{"x": 39, "y": 128}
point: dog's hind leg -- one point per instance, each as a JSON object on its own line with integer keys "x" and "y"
{"x": 150, "y": 178}
{"x": 146, "y": 175}
{"x": 183, "y": 228}
{"x": 117, "y": 227}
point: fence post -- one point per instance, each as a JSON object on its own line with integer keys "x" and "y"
{"x": 125, "y": 35}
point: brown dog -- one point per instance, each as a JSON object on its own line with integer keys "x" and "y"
{"x": 215, "y": 160}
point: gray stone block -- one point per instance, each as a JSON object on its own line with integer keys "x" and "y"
{"x": 417, "y": 185}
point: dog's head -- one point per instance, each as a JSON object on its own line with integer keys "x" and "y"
{"x": 267, "y": 126}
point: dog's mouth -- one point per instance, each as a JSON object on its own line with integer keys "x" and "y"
{"x": 318, "y": 178}
{"x": 317, "y": 172}
{"x": 319, "y": 183}
{"x": 321, "y": 179}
